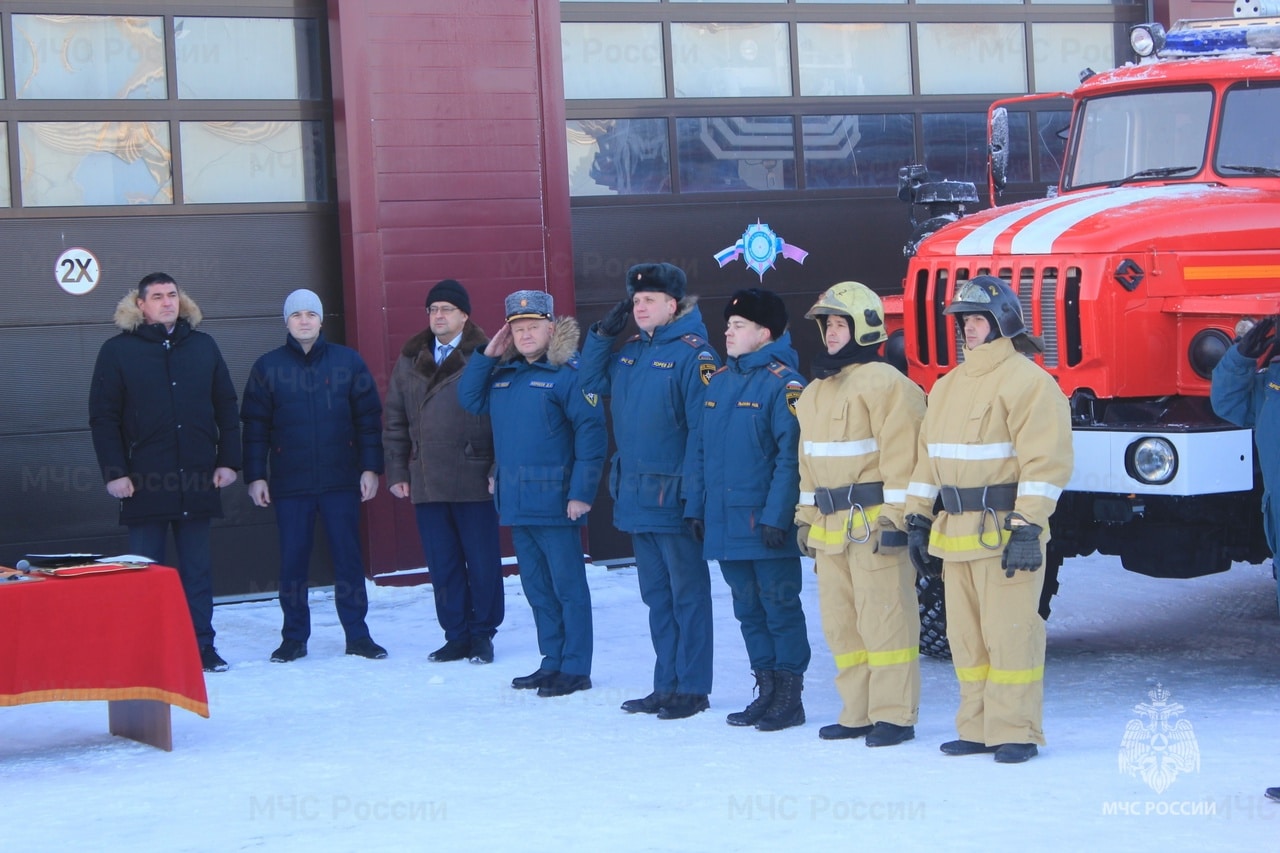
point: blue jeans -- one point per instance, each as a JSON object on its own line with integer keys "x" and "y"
{"x": 460, "y": 542}
{"x": 554, "y": 579}
{"x": 766, "y": 600}
{"x": 296, "y": 520}
{"x": 195, "y": 564}
{"x": 675, "y": 583}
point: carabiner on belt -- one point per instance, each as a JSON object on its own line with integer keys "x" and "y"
{"x": 848, "y": 527}
{"x": 982, "y": 527}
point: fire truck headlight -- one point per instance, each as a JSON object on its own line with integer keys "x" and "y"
{"x": 1151, "y": 460}
{"x": 1207, "y": 349}
{"x": 1146, "y": 39}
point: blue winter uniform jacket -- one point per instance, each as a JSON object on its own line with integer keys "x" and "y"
{"x": 749, "y": 471}
{"x": 1249, "y": 397}
{"x": 657, "y": 383}
{"x": 549, "y": 435}
{"x": 312, "y": 420}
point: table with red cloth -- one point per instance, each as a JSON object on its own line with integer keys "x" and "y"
{"x": 124, "y": 637}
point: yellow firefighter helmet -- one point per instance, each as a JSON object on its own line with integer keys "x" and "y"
{"x": 860, "y": 304}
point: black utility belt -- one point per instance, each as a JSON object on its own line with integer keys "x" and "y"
{"x": 979, "y": 498}
{"x": 847, "y": 497}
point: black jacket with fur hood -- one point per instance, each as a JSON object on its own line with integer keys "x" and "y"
{"x": 162, "y": 411}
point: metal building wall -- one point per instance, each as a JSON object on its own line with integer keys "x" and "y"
{"x": 449, "y": 127}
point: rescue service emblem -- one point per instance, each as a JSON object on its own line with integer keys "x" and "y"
{"x": 794, "y": 390}
{"x": 706, "y": 370}
{"x": 592, "y": 399}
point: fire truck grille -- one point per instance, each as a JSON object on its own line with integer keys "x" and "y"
{"x": 1043, "y": 291}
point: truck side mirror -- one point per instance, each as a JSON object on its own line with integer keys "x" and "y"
{"x": 999, "y": 148}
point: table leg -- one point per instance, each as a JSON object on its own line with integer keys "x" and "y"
{"x": 143, "y": 720}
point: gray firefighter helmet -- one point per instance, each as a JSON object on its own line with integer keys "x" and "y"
{"x": 989, "y": 295}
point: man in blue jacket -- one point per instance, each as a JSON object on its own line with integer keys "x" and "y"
{"x": 745, "y": 489}
{"x": 313, "y": 446}
{"x": 657, "y": 381}
{"x": 550, "y": 442}
{"x": 162, "y": 411}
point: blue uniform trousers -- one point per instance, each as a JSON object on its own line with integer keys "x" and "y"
{"x": 766, "y": 600}
{"x": 195, "y": 564}
{"x": 460, "y": 542}
{"x": 554, "y": 579}
{"x": 675, "y": 583}
{"x": 296, "y": 520}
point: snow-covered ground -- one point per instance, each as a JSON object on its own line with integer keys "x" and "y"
{"x": 344, "y": 754}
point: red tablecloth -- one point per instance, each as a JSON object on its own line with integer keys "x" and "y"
{"x": 116, "y": 636}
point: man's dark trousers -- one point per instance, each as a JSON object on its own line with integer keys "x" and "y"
{"x": 460, "y": 542}
{"x": 195, "y": 564}
{"x": 296, "y": 522}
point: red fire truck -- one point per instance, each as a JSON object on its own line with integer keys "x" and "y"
{"x": 1162, "y": 233}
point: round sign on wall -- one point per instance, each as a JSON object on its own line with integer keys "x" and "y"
{"x": 76, "y": 271}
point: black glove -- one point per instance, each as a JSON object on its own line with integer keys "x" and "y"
{"x": 927, "y": 565}
{"x": 1254, "y": 343}
{"x": 773, "y": 536}
{"x": 612, "y": 324}
{"x": 1022, "y": 553}
{"x": 697, "y": 528}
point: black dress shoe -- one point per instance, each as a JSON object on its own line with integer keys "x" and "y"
{"x": 965, "y": 747}
{"x": 1273, "y": 793}
{"x": 1015, "y": 753}
{"x": 533, "y": 680}
{"x": 481, "y": 650}
{"x": 211, "y": 661}
{"x": 682, "y": 705}
{"x": 451, "y": 650}
{"x": 366, "y": 648}
{"x": 650, "y": 704}
{"x": 835, "y": 731}
{"x": 563, "y": 684}
{"x": 889, "y": 734}
{"x": 289, "y": 650}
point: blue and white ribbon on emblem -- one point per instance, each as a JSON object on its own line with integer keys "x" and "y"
{"x": 760, "y": 247}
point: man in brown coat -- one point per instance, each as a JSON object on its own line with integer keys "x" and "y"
{"x": 440, "y": 456}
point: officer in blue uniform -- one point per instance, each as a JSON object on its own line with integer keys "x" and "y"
{"x": 746, "y": 489}
{"x": 657, "y": 380}
{"x": 550, "y": 443}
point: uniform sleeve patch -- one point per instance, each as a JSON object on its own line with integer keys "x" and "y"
{"x": 794, "y": 390}
{"x": 592, "y": 399}
{"x": 706, "y": 370}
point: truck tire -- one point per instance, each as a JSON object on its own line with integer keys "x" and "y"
{"x": 933, "y": 618}
{"x": 933, "y": 606}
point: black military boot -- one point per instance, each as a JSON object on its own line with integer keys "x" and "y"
{"x": 786, "y": 709}
{"x": 751, "y": 715}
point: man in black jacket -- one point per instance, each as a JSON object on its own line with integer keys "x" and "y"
{"x": 311, "y": 408}
{"x": 162, "y": 412}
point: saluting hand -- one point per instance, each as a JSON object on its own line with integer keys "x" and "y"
{"x": 499, "y": 343}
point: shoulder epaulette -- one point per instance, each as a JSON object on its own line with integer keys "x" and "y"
{"x": 633, "y": 338}
{"x": 693, "y": 340}
{"x": 720, "y": 370}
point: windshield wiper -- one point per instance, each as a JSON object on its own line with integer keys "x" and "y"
{"x": 1253, "y": 170}
{"x": 1163, "y": 172}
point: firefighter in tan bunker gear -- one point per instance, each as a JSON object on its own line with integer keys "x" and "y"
{"x": 859, "y": 422}
{"x": 995, "y": 449}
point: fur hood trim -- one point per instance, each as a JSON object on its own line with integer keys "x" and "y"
{"x": 129, "y": 317}
{"x": 564, "y": 343}
{"x": 685, "y": 306}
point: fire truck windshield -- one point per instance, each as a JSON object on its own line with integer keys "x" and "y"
{"x": 1153, "y": 134}
{"x": 1249, "y": 142}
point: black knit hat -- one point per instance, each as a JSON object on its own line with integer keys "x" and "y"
{"x": 452, "y": 292}
{"x": 762, "y": 307}
{"x": 661, "y": 278}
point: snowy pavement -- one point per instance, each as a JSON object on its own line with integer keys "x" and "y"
{"x": 336, "y": 753}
